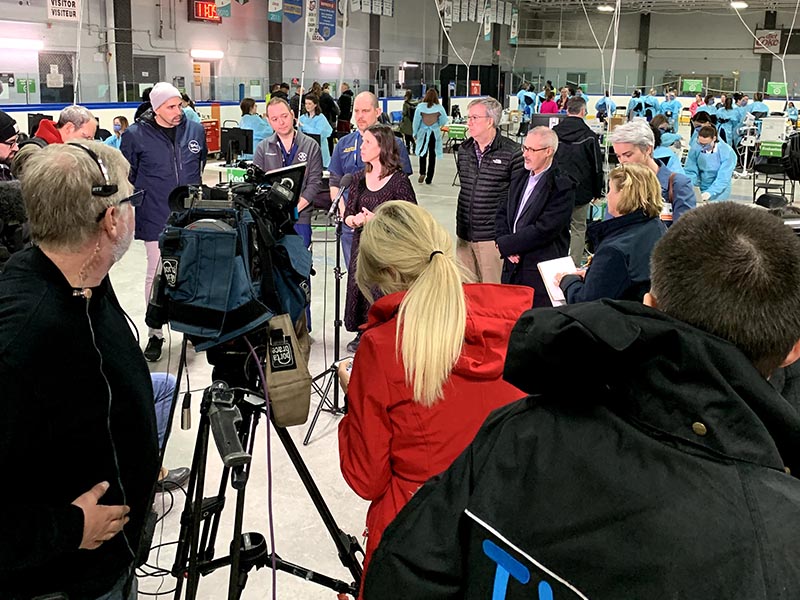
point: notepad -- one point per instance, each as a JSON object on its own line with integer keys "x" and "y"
{"x": 548, "y": 270}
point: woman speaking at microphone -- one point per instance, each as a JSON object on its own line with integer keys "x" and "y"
{"x": 430, "y": 364}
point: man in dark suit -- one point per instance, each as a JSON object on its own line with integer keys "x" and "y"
{"x": 533, "y": 226}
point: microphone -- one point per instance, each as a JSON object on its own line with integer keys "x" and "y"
{"x": 344, "y": 183}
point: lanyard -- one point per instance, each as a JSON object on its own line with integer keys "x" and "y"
{"x": 288, "y": 157}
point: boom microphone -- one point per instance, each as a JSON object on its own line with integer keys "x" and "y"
{"x": 344, "y": 183}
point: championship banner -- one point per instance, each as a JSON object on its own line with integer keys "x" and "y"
{"x": 275, "y": 11}
{"x": 327, "y": 19}
{"x": 514, "y": 27}
{"x": 293, "y": 10}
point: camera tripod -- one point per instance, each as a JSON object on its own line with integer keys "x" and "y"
{"x": 327, "y": 381}
{"x": 233, "y": 415}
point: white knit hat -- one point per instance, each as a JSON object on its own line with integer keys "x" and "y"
{"x": 161, "y": 92}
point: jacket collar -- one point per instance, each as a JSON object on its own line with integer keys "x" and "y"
{"x": 684, "y": 386}
{"x": 600, "y": 230}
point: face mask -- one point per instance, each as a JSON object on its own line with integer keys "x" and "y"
{"x": 706, "y": 147}
{"x": 117, "y": 126}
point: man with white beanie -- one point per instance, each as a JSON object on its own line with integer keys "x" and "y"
{"x": 165, "y": 151}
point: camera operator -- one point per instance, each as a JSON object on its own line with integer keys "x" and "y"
{"x": 287, "y": 147}
{"x": 77, "y": 400}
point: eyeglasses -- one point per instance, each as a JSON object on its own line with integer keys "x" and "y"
{"x": 475, "y": 117}
{"x": 10, "y": 143}
{"x": 134, "y": 199}
{"x": 529, "y": 149}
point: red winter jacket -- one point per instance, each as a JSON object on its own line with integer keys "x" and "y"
{"x": 48, "y": 132}
{"x": 388, "y": 444}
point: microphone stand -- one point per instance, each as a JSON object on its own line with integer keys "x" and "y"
{"x": 321, "y": 384}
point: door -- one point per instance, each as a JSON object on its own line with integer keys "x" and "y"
{"x": 56, "y": 80}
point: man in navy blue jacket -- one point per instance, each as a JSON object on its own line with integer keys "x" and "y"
{"x": 165, "y": 150}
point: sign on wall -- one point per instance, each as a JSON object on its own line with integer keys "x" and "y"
{"x": 275, "y": 11}
{"x": 327, "y": 19}
{"x": 64, "y": 10}
{"x": 766, "y": 41}
{"x": 293, "y": 10}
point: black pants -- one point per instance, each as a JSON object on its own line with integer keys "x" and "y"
{"x": 430, "y": 157}
{"x": 409, "y": 140}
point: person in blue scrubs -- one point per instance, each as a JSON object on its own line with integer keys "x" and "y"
{"x": 671, "y": 108}
{"x": 187, "y": 106}
{"x": 791, "y": 114}
{"x": 635, "y": 105}
{"x": 758, "y": 107}
{"x": 313, "y": 121}
{"x": 664, "y": 140}
{"x": 120, "y": 125}
{"x": 605, "y": 107}
{"x": 708, "y": 106}
{"x": 651, "y": 104}
{"x": 710, "y": 165}
{"x": 252, "y": 120}
{"x": 728, "y": 121}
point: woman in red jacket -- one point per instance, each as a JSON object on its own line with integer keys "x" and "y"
{"x": 430, "y": 364}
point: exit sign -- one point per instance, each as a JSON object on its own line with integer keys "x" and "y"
{"x": 204, "y": 10}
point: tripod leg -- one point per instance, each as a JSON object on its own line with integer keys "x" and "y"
{"x": 346, "y": 545}
{"x": 323, "y": 401}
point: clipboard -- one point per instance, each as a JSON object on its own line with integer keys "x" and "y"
{"x": 548, "y": 270}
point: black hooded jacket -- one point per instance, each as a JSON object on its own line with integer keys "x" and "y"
{"x": 579, "y": 157}
{"x": 659, "y": 469}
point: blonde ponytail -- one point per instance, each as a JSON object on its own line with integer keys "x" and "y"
{"x": 404, "y": 248}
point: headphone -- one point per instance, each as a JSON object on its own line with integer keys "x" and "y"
{"x": 107, "y": 189}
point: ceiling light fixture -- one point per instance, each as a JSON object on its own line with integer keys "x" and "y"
{"x": 605, "y": 8}
{"x": 739, "y": 5}
{"x": 207, "y": 54}
{"x": 330, "y": 60}
{"x": 20, "y": 44}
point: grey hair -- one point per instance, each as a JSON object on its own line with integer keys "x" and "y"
{"x": 547, "y": 135}
{"x": 637, "y": 133}
{"x": 575, "y": 105}
{"x": 493, "y": 108}
{"x": 77, "y": 115}
{"x": 57, "y": 190}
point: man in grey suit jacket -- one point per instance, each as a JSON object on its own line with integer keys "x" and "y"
{"x": 533, "y": 226}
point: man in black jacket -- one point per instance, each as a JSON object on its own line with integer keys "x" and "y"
{"x": 77, "y": 400}
{"x": 533, "y": 224}
{"x": 345, "y": 109}
{"x": 667, "y": 471}
{"x": 486, "y": 164}
{"x": 579, "y": 157}
{"x": 8, "y": 145}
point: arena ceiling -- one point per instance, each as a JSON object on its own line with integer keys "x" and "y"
{"x": 658, "y": 6}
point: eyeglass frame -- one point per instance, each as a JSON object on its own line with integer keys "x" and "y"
{"x": 11, "y": 144}
{"x": 473, "y": 117}
{"x": 529, "y": 149}
{"x": 135, "y": 200}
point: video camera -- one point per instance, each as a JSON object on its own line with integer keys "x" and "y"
{"x": 230, "y": 259}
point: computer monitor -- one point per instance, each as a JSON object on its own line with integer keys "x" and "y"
{"x": 290, "y": 177}
{"x": 234, "y": 142}
{"x": 33, "y": 122}
{"x": 545, "y": 120}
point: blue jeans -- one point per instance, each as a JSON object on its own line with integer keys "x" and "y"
{"x": 163, "y": 389}
{"x": 116, "y": 592}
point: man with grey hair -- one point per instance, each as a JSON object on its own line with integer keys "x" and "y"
{"x": 633, "y": 143}
{"x": 86, "y": 421}
{"x": 75, "y": 123}
{"x": 579, "y": 156}
{"x": 487, "y": 162}
{"x": 533, "y": 225}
